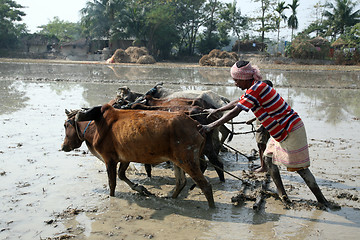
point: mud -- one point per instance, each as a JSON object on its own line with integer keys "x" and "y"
{"x": 49, "y": 194}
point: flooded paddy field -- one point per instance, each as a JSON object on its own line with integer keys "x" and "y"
{"x": 49, "y": 194}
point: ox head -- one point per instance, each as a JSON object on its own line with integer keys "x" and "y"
{"x": 72, "y": 140}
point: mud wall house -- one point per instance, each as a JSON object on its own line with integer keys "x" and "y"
{"x": 76, "y": 50}
{"x": 248, "y": 46}
{"x": 123, "y": 44}
{"x": 97, "y": 45}
{"x": 37, "y": 44}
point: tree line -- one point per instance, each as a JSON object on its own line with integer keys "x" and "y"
{"x": 185, "y": 27}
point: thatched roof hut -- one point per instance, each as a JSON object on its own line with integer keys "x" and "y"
{"x": 338, "y": 43}
{"x": 38, "y": 43}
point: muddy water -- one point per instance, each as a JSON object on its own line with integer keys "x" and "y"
{"x": 48, "y": 193}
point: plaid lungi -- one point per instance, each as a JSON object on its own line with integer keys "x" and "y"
{"x": 293, "y": 152}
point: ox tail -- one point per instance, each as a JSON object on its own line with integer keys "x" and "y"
{"x": 93, "y": 113}
{"x": 226, "y": 133}
{"x": 230, "y": 137}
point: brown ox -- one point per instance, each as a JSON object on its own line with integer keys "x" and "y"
{"x": 149, "y": 137}
{"x": 77, "y": 133}
{"x": 125, "y": 98}
{"x": 193, "y": 108}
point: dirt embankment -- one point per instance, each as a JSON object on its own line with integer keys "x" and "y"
{"x": 264, "y": 62}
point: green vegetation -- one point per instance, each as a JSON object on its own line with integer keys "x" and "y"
{"x": 280, "y": 15}
{"x": 266, "y": 18}
{"x": 62, "y": 30}
{"x": 232, "y": 20}
{"x": 293, "y": 22}
{"x": 10, "y": 30}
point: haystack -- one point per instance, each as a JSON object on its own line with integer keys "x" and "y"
{"x": 132, "y": 55}
{"x": 120, "y": 56}
{"x": 215, "y": 53}
{"x": 146, "y": 59}
{"x": 218, "y": 58}
{"x": 136, "y": 52}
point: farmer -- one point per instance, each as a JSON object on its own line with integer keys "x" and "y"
{"x": 288, "y": 142}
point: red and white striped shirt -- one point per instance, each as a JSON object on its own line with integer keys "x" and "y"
{"x": 270, "y": 108}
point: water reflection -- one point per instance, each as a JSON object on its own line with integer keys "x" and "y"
{"x": 12, "y": 96}
{"x": 149, "y": 74}
{"x": 331, "y": 95}
{"x": 319, "y": 79}
{"x": 331, "y": 105}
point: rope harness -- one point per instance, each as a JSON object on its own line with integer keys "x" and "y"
{"x": 219, "y": 168}
{"x": 253, "y": 130}
{"x": 75, "y": 124}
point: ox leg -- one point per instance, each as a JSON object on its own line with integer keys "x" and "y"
{"x": 273, "y": 170}
{"x": 213, "y": 157}
{"x": 217, "y": 144}
{"x": 180, "y": 181}
{"x": 111, "y": 171}
{"x": 203, "y": 166}
{"x": 122, "y": 175}
{"x": 225, "y": 132}
{"x": 195, "y": 173}
{"x": 204, "y": 185}
{"x": 148, "y": 170}
{"x": 203, "y": 163}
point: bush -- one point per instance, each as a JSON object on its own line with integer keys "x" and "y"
{"x": 308, "y": 49}
{"x": 347, "y": 57}
{"x": 248, "y": 46}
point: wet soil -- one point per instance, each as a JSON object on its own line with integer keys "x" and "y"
{"x": 49, "y": 194}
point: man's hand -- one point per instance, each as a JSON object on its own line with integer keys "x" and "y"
{"x": 250, "y": 121}
{"x": 210, "y": 112}
{"x": 203, "y": 129}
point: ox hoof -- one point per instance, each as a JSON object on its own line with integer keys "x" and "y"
{"x": 211, "y": 205}
{"x": 331, "y": 206}
{"x": 142, "y": 190}
{"x": 286, "y": 201}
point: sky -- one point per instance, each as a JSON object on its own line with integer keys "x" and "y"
{"x": 40, "y": 12}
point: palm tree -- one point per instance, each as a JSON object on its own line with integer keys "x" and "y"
{"x": 293, "y": 21}
{"x": 342, "y": 15}
{"x": 232, "y": 19}
{"x": 280, "y": 7}
{"x": 96, "y": 19}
